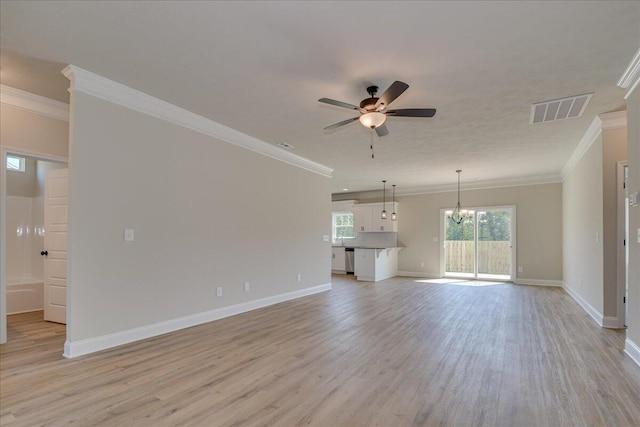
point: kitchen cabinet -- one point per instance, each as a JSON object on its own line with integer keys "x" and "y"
{"x": 338, "y": 264}
{"x": 362, "y": 217}
{"x": 366, "y": 217}
{"x": 373, "y": 265}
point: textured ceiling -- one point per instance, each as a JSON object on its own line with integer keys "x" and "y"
{"x": 260, "y": 67}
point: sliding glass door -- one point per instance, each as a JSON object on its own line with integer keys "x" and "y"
{"x": 481, "y": 246}
{"x": 460, "y": 248}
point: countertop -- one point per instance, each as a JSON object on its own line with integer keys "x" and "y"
{"x": 368, "y": 247}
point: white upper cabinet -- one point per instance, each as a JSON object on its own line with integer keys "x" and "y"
{"x": 367, "y": 217}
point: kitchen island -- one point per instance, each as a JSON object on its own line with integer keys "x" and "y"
{"x": 375, "y": 264}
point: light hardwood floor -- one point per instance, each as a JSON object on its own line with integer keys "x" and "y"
{"x": 395, "y": 353}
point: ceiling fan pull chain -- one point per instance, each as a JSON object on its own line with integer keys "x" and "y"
{"x": 372, "y": 153}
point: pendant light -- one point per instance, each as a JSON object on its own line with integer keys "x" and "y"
{"x": 394, "y": 215}
{"x": 383, "y": 214}
{"x": 458, "y": 214}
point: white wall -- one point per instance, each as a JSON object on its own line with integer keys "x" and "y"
{"x": 633, "y": 135}
{"x": 206, "y": 214}
{"x": 23, "y": 183}
{"x": 582, "y": 229}
{"x": 28, "y": 131}
{"x": 614, "y": 149}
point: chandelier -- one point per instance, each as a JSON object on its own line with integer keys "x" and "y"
{"x": 458, "y": 214}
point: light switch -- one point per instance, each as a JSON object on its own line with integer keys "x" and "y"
{"x": 325, "y": 238}
{"x": 435, "y": 238}
{"x": 638, "y": 235}
{"x": 128, "y": 234}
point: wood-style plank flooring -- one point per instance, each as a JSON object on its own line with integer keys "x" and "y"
{"x": 395, "y": 353}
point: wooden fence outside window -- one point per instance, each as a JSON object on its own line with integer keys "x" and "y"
{"x": 493, "y": 257}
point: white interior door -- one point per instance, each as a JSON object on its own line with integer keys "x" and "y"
{"x": 56, "y": 190}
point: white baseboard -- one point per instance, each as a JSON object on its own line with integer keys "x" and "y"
{"x": 597, "y": 316}
{"x": 632, "y": 350}
{"x": 91, "y": 345}
{"x": 610, "y": 322}
{"x": 539, "y": 282}
{"x": 418, "y": 274}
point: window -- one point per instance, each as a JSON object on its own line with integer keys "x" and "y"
{"x": 342, "y": 225}
{"x": 15, "y": 163}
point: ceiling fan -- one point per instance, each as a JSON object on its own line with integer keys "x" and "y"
{"x": 373, "y": 111}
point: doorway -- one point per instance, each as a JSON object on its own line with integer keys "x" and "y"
{"x": 482, "y": 246}
{"x": 22, "y": 222}
{"x": 622, "y": 254}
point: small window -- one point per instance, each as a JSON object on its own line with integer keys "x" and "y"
{"x": 342, "y": 225}
{"x": 15, "y": 163}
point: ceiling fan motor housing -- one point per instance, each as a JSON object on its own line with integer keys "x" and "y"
{"x": 369, "y": 104}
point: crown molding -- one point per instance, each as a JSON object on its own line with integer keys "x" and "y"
{"x": 100, "y": 87}
{"x": 631, "y": 76}
{"x": 483, "y": 185}
{"x": 593, "y": 132}
{"x": 605, "y": 121}
{"x": 465, "y": 186}
{"x": 617, "y": 119}
{"x": 34, "y": 103}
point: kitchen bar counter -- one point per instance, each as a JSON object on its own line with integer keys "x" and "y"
{"x": 368, "y": 247}
{"x": 375, "y": 264}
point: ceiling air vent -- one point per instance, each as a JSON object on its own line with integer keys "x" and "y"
{"x": 558, "y": 109}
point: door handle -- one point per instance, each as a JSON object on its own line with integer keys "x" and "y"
{"x": 44, "y": 253}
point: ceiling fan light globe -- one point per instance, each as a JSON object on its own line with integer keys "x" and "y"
{"x": 373, "y": 119}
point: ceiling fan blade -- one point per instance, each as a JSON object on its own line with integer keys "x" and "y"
{"x": 382, "y": 130}
{"x": 395, "y": 90}
{"x": 339, "y": 103}
{"x": 342, "y": 123}
{"x": 412, "y": 112}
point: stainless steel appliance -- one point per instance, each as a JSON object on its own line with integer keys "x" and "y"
{"x": 348, "y": 259}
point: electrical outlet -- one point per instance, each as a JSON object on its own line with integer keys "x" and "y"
{"x": 520, "y": 269}
{"x": 435, "y": 238}
{"x": 128, "y": 234}
{"x": 325, "y": 237}
{"x": 246, "y": 286}
{"x": 299, "y": 277}
{"x": 219, "y": 291}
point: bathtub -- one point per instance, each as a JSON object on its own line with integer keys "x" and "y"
{"x": 24, "y": 295}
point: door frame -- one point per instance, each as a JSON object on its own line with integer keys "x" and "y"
{"x": 4, "y": 151}
{"x": 621, "y": 248}
{"x": 514, "y": 261}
